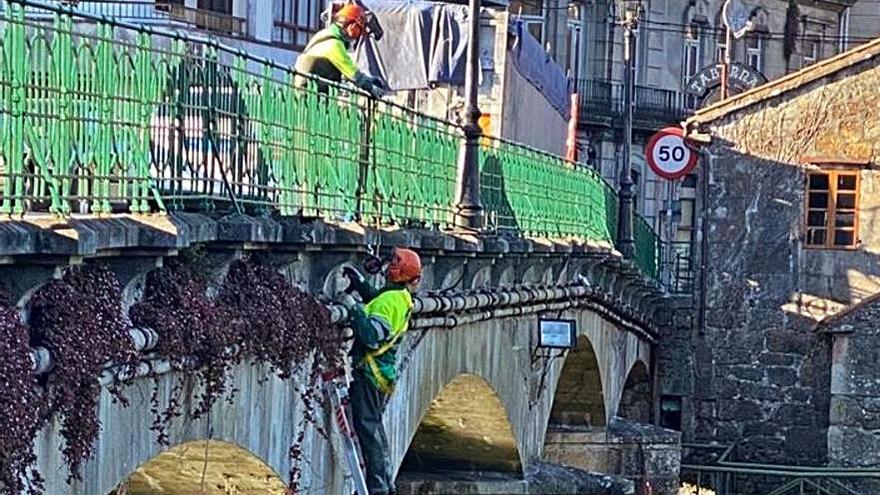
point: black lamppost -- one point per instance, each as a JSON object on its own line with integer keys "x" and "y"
{"x": 629, "y": 11}
{"x": 469, "y": 211}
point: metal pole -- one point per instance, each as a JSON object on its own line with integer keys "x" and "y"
{"x": 625, "y": 241}
{"x": 469, "y": 211}
{"x": 725, "y": 67}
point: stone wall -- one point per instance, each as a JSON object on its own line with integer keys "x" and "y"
{"x": 854, "y": 429}
{"x": 442, "y": 346}
{"x": 642, "y": 453}
{"x": 762, "y": 371}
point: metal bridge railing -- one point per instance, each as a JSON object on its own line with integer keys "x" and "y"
{"x": 707, "y": 471}
{"x": 647, "y": 252}
{"x": 100, "y": 117}
{"x": 677, "y": 267}
{"x": 540, "y": 194}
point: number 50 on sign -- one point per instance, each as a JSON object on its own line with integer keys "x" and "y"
{"x": 669, "y": 155}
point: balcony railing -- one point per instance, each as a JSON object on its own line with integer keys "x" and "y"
{"x": 92, "y": 124}
{"x": 207, "y": 19}
{"x": 677, "y": 267}
{"x": 151, "y": 13}
{"x": 602, "y": 103}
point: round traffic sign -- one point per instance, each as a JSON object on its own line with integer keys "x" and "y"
{"x": 669, "y": 155}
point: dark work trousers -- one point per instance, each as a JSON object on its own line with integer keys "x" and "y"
{"x": 367, "y": 407}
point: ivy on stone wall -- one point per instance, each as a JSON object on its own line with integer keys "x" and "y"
{"x": 19, "y": 417}
{"x": 286, "y": 328}
{"x": 193, "y": 337}
{"x": 80, "y": 320}
{"x": 257, "y": 314}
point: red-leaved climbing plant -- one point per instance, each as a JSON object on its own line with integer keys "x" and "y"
{"x": 256, "y": 315}
{"x": 19, "y": 410}
{"x": 192, "y": 336}
{"x": 287, "y": 328}
{"x": 80, "y": 320}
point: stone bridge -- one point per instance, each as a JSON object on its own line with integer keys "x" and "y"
{"x": 102, "y": 117}
{"x": 475, "y": 393}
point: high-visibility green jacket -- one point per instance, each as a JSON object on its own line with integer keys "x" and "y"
{"x": 326, "y": 56}
{"x": 378, "y": 327}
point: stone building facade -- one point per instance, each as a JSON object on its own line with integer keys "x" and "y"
{"x": 789, "y": 189}
{"x": 676, "y": 42}
{"x": 854, "y": 419}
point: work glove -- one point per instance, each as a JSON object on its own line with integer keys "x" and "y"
{"x": 347, "y": 301}
{"x": 350, "y": 303}
{"x": 354, "y": 278}
{"x": 371, "y": 84}
{"x": 377, "y": 91}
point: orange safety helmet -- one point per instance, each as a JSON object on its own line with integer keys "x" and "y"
{"x": 405, "y": 266}
{"x": 352, "y": 18}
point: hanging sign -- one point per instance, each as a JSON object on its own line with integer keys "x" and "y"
{"x": 741, "y": 78}
{"x": 669, "y": 155}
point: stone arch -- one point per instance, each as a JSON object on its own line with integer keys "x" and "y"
{"x": 482, "y": 278}
{"x": 466, "y": 427}
{"x": 218, "y": 467}
{"x": 635, "y": 400}
{"x": 531, "y": 275}
{"x": 579, "y": 400}
{"x": 507, "y": 277}
{"x": 453, "y": 278}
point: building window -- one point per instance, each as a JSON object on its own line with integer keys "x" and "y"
{"x": 755, "y": 52}
{"x": 573, "y": 41}
{"x": 810, "y": 49}
{"x": 691, "y": 57}
{"x": 295, "y": 21}
{"x": 832, "y": 209}
{"x": 670, "y": 412}
{"x": 843, "y": 31}
{"x": 572, "y": 54}
{"x": 531, "y": 14}
{"x": 219, "y": 6}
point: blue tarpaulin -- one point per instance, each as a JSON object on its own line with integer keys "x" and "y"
{"x": 530, "y": 59}
{"x": 426, "y": 43}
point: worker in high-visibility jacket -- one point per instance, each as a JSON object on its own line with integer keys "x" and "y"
{"x": 326, "y": 54}
{"x": 378, "y": 326}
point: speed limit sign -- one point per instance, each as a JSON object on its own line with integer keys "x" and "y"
{"x": 669, "y": 155}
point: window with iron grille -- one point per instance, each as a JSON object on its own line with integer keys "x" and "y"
{"x": 832, "y": 209}
{"x": 811, "y": 47}
{"x": 219, "y": 6}
{"x": 755, "y": 52}
{"x": 531, "y": 14}
{"x": 295, "y": 21}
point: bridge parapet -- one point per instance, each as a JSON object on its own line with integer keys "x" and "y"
{"x": 312, "y": 252}
{"x": 130, "y": 118}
